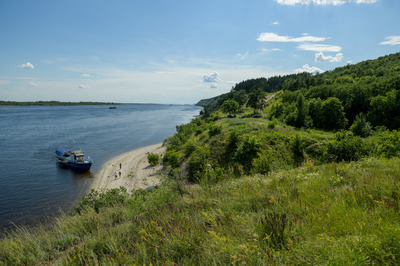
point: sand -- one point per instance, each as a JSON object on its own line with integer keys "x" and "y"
{"x": 136, "y": 172}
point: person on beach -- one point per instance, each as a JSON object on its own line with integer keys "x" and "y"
{"x": 115, "y": 175}
{"x": 120, "y": 166}
{"x": 119, "y": 174}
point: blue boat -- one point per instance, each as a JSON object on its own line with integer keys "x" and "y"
{"x": 73, "y": 159}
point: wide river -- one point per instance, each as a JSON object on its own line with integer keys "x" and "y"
{"x": 33, "y": 186}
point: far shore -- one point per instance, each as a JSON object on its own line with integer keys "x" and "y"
{"x": 132, "y": 169}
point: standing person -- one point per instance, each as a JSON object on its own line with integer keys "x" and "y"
{"x": 119, "y": 174}
{"x": 115, "y": 175}
{"x": 120, "y": 166}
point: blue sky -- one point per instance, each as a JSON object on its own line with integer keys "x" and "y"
{"x": 180, "y": 51}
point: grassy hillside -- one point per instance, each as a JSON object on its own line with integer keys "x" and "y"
{"x": 245, "y": 190}
{"x": 339, "y": 213}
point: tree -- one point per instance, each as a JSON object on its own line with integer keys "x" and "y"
{"x": 315, "y": 112}
{"x": 240, "y": 97}
{"x": 229, "y": 107}
{"x": 301, "y": 111}
{"x": 256, "y": 99}
{"x": 333, "y": 115}
{"x": 361, "y": 127}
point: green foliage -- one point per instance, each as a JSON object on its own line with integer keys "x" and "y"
{"x": 361, "y": 127}
{"x": 297, "y": 146}
{"x": 214, "y": 130}
{"x": 97, "y": 200}
{"x": 190, "y": 147}
{"x": 274, "y": 229}
{"x": 172, "y": 158}
{"x": 230, "y": 107}
{"x": 264, "y": 163}
{"x": 197, "y": 164}
{"x": 338, "y": 213}
{"x": 153, "y": 159}
{"x": 387, "y": 143}
{"x": 241, "y": 98}
{"x": 347, "y": 148}
{"x": 315, "y": 112}
{"x": 332, "y": 114}
{"x": 257, "y": 99}
{"x": 246, "y": 152}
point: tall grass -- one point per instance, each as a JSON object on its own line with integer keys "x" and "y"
{"x": 338, "y": 213}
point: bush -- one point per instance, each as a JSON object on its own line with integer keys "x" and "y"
{"x": 388, "y": 143}
{"x": 96, "y": 200}
{"x": 297, "y": 146}
{"x": 172, "y": 158}
{"x": 190, "y": 147}
{"x": 347, "y": 148}
{"x": 198, "y": 163}
{"x": 263, "y": 164}
{"x": 214, "y": 130}
{"x": 153, "y": 159}
{"x": 246, "y": 152}
{"x": 361, "y": 127}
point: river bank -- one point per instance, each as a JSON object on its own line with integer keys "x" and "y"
{"x": 132, "y": 170}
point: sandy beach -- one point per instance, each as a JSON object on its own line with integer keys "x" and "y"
{"x": 132, "y": 169}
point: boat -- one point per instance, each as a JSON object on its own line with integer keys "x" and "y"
{"x": 112, "y": 107}
{"x": 73, "y": 159}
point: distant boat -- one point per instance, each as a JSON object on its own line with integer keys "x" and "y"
{"x": 73, "y": 159}
{"x": 112, "y": 107}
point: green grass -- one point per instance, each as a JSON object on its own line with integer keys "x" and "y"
{"x": 338, "y": 213}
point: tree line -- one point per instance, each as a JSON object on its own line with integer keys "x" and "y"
{"x": 331, "y": 100}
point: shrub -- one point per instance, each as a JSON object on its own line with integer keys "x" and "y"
{"x": 153, "y": 159}
{"x": 97, "y": 199}
{"x": 361, "y": 127}
{"x": 197, "y": 164}
{"x": 388, "y": 143}
{"x": 214, "y": 130}
{"x": 297, "y": 149}
{"x": 246, "y": 152}
{"x": 190, "y": 147}
{"x": 263, "y": 164}
{"x": 172, "y": 158}
{"x": 347, "y": 148}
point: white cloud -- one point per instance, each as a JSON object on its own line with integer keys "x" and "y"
{"x": 83, "y": 86}
{"x": 32, "y": 84}
{"x": 27, "y": 65}
{"x": 243, "y": 56}
{"x": 391, "y": 40}
{"x": 273, "y": 37}
{"x": 320, "y": 57}
{"x": 275, "y": 23}
{"x": 86, "y": 76}
{"x": 319, "y": 47}
{"x": 310, "y": 69}
{"x": 323, "y": 2}
{"x": 211, "y": 77}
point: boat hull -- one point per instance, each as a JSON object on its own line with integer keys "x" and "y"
{"x": 77, "y": 166}
{"x": 73, "y": 159}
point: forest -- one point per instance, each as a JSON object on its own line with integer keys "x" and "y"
{"x": 333, "y": 99}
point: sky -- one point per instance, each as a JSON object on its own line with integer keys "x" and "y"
{"x": 180, "y": 51}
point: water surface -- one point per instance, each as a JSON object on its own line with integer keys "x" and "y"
{"x": 33, "y": 186}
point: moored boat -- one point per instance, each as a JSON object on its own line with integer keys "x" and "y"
{"x": 73, "y": 159}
